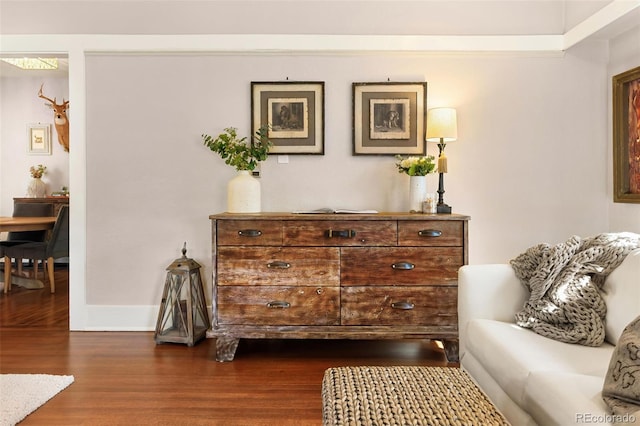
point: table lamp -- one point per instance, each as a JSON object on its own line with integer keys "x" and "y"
{"x": 442, "y": 127}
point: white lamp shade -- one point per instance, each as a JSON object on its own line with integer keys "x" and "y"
{"x": 442, "y": 124}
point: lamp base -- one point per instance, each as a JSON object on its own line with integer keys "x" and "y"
{"x": 444, "y": 208}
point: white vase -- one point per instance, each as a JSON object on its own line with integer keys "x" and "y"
{"x": 37, "y": 188}
{"x": 243, "y": 193}
{"x": 417, "y": 193}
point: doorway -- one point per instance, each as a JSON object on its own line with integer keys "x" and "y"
{"x": 23, "y": 107}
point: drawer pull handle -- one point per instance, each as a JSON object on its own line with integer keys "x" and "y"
{"x": 249, "y": 233}
{"x": 430, "y": 233}
{"x": 278, "y": 265}
{"x": 405, "y": 266}
{"x": 347, "y": 233}
{"x": 404, "y": 306}
{"x": 278, "y": 304}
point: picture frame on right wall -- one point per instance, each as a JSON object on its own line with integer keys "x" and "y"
{"x": 626, "y": 137}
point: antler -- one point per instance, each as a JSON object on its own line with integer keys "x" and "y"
{"x": 40, "y": 95}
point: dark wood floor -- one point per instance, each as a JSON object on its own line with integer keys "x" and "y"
{"x": 124, "y": 378}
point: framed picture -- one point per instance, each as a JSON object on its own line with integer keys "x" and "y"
{"x": 389, "y": 118}
{"x": 626, "y": 137}
{"x": 39, "y": 139}
{"x": 294, "y": 112}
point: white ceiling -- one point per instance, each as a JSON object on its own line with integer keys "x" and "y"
{"x": 298, "y": 17}
{"x": 403, "y": 17}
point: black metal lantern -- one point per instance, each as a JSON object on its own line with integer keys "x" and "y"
{"x": 183, "y": 316}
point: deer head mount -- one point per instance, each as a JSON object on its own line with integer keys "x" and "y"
{"x": 59, "y": 118}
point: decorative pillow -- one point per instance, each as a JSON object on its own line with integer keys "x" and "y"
{"x": 621, "y": 391}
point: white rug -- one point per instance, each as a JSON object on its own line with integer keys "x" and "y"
{"x": 22, "y": 394}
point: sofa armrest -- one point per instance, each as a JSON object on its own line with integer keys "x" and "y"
{"x": 488, "y": 292}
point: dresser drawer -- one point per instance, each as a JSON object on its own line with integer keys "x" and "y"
{"x": 400, "y": 265}
{"x": 431, "y": 233}
{"x": 399, "y": 306}
{"x": 286, "y": 266}
{"x": 279, "y": 305}
{"x": 249, "y": 232}
{"x": 340, "y": 233}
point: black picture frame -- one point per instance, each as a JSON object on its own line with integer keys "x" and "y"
{"x": 389, "y": 118}
{"x": 294, "y": 112}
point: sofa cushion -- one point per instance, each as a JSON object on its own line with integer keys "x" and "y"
{"x": 565, "y": 399}
{"x": 621, "y": 293}
{"x": 510, "y": 353}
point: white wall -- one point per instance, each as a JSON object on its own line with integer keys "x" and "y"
{"x": 624, "y": 55}
{"x": 532, "y": 162}
{"x": 529, "y": 165}
{"x": 20, "y": 106}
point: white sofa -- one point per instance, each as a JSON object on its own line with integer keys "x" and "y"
{"x": 530, "y": 378}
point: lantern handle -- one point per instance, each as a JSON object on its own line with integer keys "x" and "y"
{"x": 184, "y": 250}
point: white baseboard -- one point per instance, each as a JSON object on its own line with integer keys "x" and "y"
{"x": 122, "y": 318}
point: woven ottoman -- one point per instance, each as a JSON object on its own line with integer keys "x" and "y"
{"x": 404, "y": 396}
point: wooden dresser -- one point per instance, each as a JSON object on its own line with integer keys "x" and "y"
{"x": 339, "y": 276}
{"x": 57, "y": 202}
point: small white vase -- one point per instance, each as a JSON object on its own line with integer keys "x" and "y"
{"x": 243, "y": 193}
{"x": 37, "y": 188}
{"x": 417, "y": 193}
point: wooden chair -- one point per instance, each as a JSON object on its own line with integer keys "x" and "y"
{"x": 55, "y": 247}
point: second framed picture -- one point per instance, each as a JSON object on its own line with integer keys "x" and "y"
{"x": 39, "y": 139}
{"x": 389, "y": 118}
{"x": 294, "y": 112}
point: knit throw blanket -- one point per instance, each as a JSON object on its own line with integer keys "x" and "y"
{"x": 564, "y": 280}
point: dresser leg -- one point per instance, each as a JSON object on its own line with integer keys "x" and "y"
{"x": 226, "y": 348}
{"x": 451, "y": 350}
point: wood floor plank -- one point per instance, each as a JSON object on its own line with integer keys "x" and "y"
{"x": 124, "y": 378}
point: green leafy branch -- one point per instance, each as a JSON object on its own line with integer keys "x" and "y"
{"x": 236, "y": 151}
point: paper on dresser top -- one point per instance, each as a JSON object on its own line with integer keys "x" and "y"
{"x": 328, "y": 210}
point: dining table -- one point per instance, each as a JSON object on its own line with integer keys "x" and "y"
{"x": 18, "y": 224}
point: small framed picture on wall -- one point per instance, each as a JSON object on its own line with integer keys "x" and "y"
{"x": 39, "y": 139}
{"x": 294, "y": 112}
{"x": 389, "y": 118}
{"x": 626, "y": 137}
